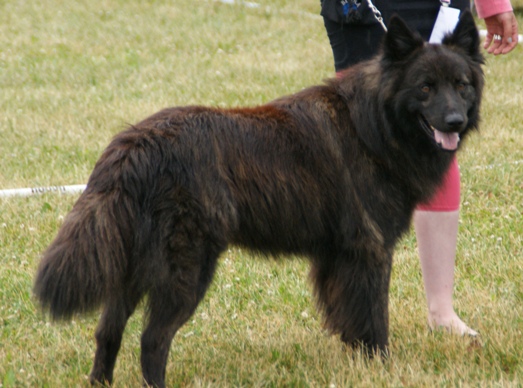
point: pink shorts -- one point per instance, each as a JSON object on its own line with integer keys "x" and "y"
{"x": 447, "y": 198}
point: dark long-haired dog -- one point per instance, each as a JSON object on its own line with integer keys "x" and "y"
{"x": 332, "y": 173}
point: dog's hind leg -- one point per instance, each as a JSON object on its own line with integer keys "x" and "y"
{"x": 352, "y": 291}
{"x": 171, "y": 303}
{"x": 109, "y": 336}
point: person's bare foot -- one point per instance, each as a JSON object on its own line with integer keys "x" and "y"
{"x": 451, "y": 323}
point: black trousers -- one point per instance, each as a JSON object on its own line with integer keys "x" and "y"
{"x": 354, "y": 43}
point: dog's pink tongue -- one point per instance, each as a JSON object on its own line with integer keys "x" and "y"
{"x": 448, "y": 141}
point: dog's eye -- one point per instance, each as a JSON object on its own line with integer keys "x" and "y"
{"x": 461, "y": 85}
{"x": 425, "y": 88}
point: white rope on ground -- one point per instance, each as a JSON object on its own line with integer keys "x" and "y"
{"x": 26, "y": 192}
{"x": 247, "y": 4}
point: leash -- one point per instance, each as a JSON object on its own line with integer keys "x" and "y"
{"x": 379, "y": 18}
{"x": 377, "y": 15}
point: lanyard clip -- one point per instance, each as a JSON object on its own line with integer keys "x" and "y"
{"x": 445, "y": 3}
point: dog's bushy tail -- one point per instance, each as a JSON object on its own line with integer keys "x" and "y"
{"x": 89, "y": 259}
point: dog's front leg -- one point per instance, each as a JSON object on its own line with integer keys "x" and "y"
{"x": 353, "y": 290}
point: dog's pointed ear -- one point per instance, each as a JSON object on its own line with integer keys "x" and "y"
{"x": 400, "y": 40}
{"x": 466, "y": 37}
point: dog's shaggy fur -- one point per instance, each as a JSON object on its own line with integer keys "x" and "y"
{"x": 332, "y": 173}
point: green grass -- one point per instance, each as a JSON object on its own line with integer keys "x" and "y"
{"x": 73, "y": 73}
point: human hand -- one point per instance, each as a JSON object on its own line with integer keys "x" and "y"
{"x": 502, "y": 33}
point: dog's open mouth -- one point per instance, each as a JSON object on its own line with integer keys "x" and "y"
{"x": 447, "y": 141}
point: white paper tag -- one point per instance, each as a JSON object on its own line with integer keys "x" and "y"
{"x": 445, "y": 23}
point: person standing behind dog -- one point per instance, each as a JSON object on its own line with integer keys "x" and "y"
{"x": 355, "y": 33}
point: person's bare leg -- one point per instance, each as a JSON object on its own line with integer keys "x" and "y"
{"x": 436, "y": 233}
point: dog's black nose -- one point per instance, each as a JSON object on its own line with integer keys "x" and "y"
{"x": 454, "y": 120}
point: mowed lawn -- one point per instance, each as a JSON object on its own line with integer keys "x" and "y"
{"x": 74, "y": 73}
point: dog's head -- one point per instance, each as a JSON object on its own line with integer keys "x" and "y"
{"x": 433, "y": 91}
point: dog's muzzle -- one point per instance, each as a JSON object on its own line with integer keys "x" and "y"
{"x": 447, "y": 141}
